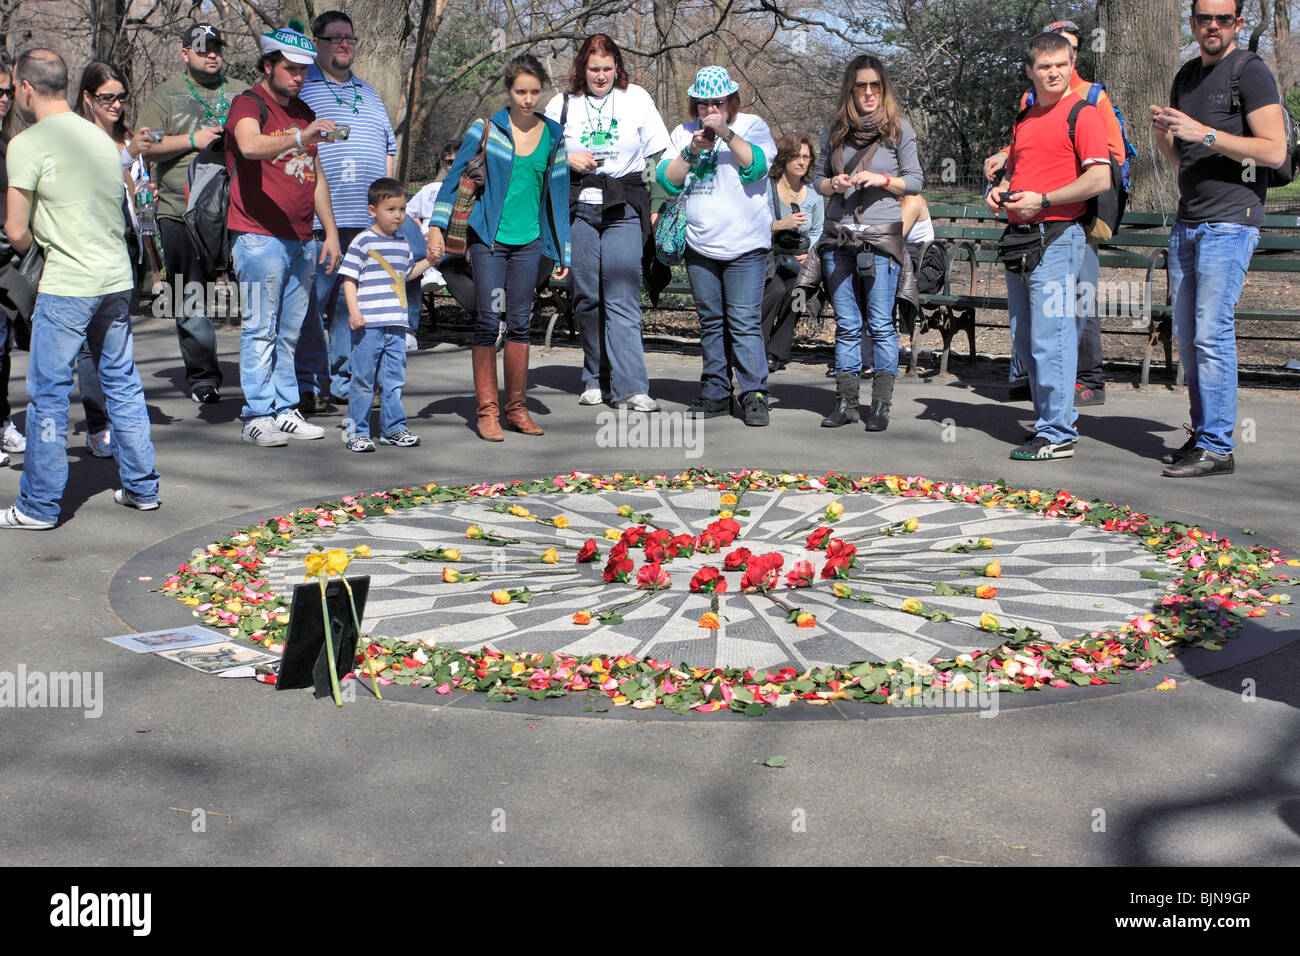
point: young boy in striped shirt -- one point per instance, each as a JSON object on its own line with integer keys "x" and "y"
{"x": 375, "y": 271}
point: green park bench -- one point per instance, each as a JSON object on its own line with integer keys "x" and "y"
{"x": 1142, "y": 242}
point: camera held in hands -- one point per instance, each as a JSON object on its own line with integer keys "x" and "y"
{"x": 337, "y": 133}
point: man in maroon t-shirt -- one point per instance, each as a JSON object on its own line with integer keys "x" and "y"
{"x": 276, "y": 184}
{"x": 1051, "y": 180}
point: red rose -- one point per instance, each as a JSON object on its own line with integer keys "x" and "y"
{"x": 760, "y": 576}
{"x": 658, "y": 538}
{"x": 618, "y": 569}
{"x": 633, "y": 535}
{"x": 818, "y": 539}
{"x": 619, "y": 551}
{"x": 770, "y": 561}
{"x": 707, "y": 543}
{"x": 737, "y": 560}
{"x": 588, "y": 552}
{"x": 800, "y": 575}
{"x": 835, "y": 568}
{"x": 708, "y": 580}
{"x": 653, "y": 576}
{"x": 655, "y": 553}
{"x": 682, "y": 546}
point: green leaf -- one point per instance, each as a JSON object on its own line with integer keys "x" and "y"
{"x": 609, "y": 617}
{"x": 1154, "y": 575}
{"x": 793, "y": 615}
{"x": 1080, "y": 679}
{"x": 778, "y": 761}
{"x": 755, "y": 710}
{"x": 944, "y": 590}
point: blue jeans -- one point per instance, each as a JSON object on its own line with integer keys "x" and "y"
{"x": 852, "y": 296}
{"x": 1042, "y": 309}
{"x": 729, "y": 300}
{"x": 1087, "y": 324}
{"x": 278, "y": 273}
{"x": 505, "y": 278}
{"x": 60, "y": 324}
{"x": 378, "y": 360}
{"x": 1207, "y": 268}
{"x": 419, "y": 248}
{"x": 92, "y": 393}
{"x": 607, "y": 301}
{"x": 322, "y": 367}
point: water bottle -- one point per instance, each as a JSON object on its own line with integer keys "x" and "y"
{"x": 145, "y": 210}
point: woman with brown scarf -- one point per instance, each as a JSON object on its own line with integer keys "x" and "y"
{"x": 869, "y": 160}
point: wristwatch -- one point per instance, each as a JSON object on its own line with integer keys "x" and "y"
{"x": 1209, "y": 139}
{"x": 731, "y": 134}
{"x": 1046, "y": 202}
{"x": 689, "y": 156}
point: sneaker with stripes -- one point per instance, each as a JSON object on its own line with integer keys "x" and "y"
{"x": 262, "y": 432}
{"x": 294, "y": 425}
{"x": 402, "y": 439}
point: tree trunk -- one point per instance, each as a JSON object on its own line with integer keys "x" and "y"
{"x": 382, "y": 28}
{"x": 1137, "y": 48}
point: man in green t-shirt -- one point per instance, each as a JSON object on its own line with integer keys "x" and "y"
{"x": 190, "y": 110}
{"x": 66, "y": 194}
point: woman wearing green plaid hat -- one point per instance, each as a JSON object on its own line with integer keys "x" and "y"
{"x": 725, "y": 155}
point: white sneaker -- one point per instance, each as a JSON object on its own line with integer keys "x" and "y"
{"x": 100, "y": 443}
{"x": 411, "y": 344}
{"x": 432, "y": 278}
{"x": 4, "y": 459}
{"x": 640, "y": 403}
{"x": 263, "y": 431}
{"x": 13, "y": 518}
{"x": 292, "y": 423}
{"x": 591, "y": 396}
{"x": 11, "y": 439}
{"x": 123, "y": 498}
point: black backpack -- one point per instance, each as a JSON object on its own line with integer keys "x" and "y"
{"x": 930, "y": 266}
{"x": 207, "y": 202}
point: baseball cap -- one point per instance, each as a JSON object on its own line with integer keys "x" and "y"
{"x": 295, "y": 46}
{"x": 210, "y": 34}
{"x": 1063, "y": 26}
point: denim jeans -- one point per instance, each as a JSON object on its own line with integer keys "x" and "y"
{"x": 852, "y": 296}
{"x": 325, "y": 342}
{"x": 729, "y": 299}
{"x": 93, "y": 402}
{"x": 607, "y": 300}
{"x": 1087, "y": 325}
{"x": 278, "y": 273}
{"x": 1207, "y": 268}
{"x": 378, "y": 360}
{"x": 60, "y": 324}
{"x": 505, "y": 278}
{"x": 419, "y": 248}
{"x": 1042, "y": 307}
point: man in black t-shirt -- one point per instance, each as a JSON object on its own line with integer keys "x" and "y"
{"x": 1224, "y": 129}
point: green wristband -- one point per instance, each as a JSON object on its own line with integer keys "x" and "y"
{"x": 192, "y": 146}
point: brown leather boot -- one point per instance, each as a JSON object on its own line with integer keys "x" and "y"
{"x": 517, "y": 416}
{"x": 485, "y": 387}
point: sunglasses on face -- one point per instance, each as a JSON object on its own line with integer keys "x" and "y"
{"x": 108, "y": 99}
{"x": 341, "y": 39}
{"x": 874, "y": 86}
{"x": 7, "y": 91}
{"x": 1222, "y": 19}
{"x": 717, "y": 104}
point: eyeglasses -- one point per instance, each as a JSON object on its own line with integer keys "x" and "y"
{"x": 448, "y": 160}
{"x": 1222, "y": 19}
{"x": 108, "y": 99}
{"x": 340, "y": 39}
{"x": 875, "y": 86}
{"x": 7, "y": 91}
{"x": 716, "y": 104}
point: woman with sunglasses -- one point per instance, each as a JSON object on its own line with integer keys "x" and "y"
{"x": 102, "y": 98}
{"x": 725, "y": 154}
{"x": 612, "y": 130}
{"x": 798, "y": 214}
{"x": 11, "y": 439}
{"x": 520, "y": 217}
{"x": 869, "y": 161}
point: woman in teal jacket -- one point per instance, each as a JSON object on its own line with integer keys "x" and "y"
{"x": 522, "y": 215}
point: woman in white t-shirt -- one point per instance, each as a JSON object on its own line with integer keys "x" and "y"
{"x": 611, "y": 129}
{"x": 725, "y": 154}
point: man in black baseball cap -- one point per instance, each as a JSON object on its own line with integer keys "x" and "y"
{"x": 190, "y": 110}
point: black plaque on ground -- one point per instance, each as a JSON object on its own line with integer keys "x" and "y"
{"x": 305, "y": 663}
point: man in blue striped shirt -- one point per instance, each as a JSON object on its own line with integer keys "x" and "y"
{"x": 368, "y": 153}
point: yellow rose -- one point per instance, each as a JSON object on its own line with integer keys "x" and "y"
{"x": 450, "y": 575}
{"x": 724, "y": 514}
{"x": 337, "y": 561}
{"x": 835, "y": 509}
{"x": 473, "y": 531}
{"x": 519, "y": 511}
{"x": 362, "y": 551}
{"x": 993, "y": 569}
{"x": 625, "y": 511}
{"x": 315, "y": 563}
{"x": 728, "y": 499}
{"x": 550, "y": 556}
{"x": 913, "y": 606}
{"x": 612, "y": 535}
{"x": 911, "y": 524}
{"x": 561, "y": 522}
{"x": 841, "y": 590}
{"x": 985, "y": 543}
{"x": 500, "y": 597}
{"x": 451, "y": 554}
{"x": 989, "y": 622}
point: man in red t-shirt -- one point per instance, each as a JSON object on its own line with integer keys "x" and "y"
{"x": 276, "y": 184}
{"x": 1051, "y": 180}
{"x": 1090, "y": 384}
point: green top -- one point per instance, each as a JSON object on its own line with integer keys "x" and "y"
{"x": 521, "y": 215}
{"x": 74, "y": 172}
{"x": 174, "y": 108}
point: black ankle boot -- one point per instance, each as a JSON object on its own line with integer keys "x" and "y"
{"x": 882, "y": 395}
{"x": 846, "y": 402}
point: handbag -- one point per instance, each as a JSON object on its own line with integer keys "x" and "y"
{"x": 19, "y": 280}
{"x": 468, "y": 191}
{"x": 1020, "y": 250}
{"x": 670, "y": 231}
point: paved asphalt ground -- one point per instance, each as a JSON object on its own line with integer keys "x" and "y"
{"x": 1200, "y": 775}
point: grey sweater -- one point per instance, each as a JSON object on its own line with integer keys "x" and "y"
{"x": 877, "y": 205}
